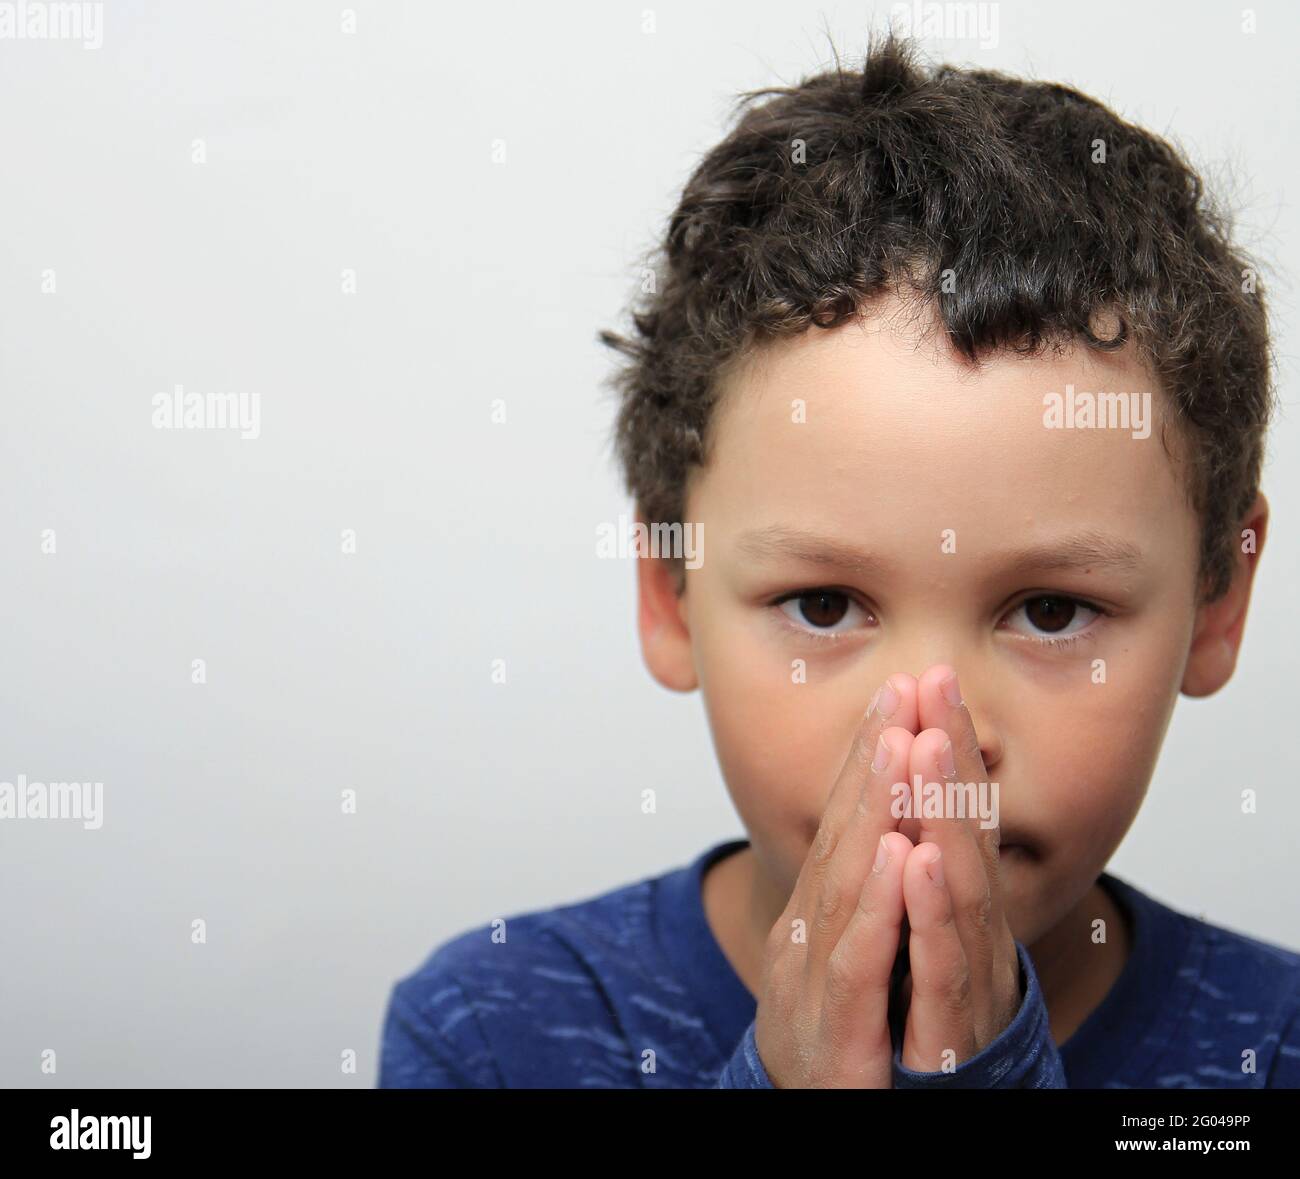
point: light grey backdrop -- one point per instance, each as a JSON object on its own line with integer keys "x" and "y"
{"x": 193, "y": 191}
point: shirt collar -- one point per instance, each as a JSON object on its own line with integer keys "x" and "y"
{"x": 1141, "y": 1001}
{"x": 688, "y": 942}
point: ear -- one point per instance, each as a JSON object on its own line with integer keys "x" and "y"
{"x": 1219, "y": 625}
{"x": 661, "y": 621}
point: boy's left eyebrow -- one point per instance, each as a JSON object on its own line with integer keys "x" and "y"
{"x": 1083, "y": 550}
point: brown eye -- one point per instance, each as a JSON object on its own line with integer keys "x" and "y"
{"x": 823, "y": 608}
{"x": 1054, "y": 620}
{"x": 824, "y": 613}
{"x": 1050, "y": 614}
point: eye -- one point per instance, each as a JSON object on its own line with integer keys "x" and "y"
{"x": 823, "y": 613}
{"x": 1053, "y": 618}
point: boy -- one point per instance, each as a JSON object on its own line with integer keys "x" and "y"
{"x": 966, "y": 387}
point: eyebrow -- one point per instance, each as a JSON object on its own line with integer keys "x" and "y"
{"x": 809, "y": 547}
{"x": 1082, "y": 550}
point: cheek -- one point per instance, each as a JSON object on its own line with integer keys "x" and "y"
{"x": 780, "y": 745}
{"x": 1082, "y": 773}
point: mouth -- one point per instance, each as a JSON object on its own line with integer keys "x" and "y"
{"x": 1017, "y": 851}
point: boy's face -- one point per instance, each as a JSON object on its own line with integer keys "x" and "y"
{"x": 962, "y": 505}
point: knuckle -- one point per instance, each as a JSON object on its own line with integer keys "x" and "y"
{"x": 783, "y": 946}
{"x": 778, "y": 938}
{"x": 979, "y": 913}
{"x": 868, "y": 903}
{"x": 1011, "y": 982}
{"x": 823, "y": 847}
{"x": 827, "y": 912}
{"x": 946, "y": 924}
{"x": 842, "y": 978}
{"x": 957, "y": 994}
{"x": 864, "y": 746}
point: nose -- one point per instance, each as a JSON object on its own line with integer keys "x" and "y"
{"x": 975, "y": 692}
{"x": 989, "y": 736}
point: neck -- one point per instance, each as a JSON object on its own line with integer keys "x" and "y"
{"x": 1074, "y": 971}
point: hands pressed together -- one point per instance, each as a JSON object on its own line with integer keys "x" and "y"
{"x": 823, "y": 1011}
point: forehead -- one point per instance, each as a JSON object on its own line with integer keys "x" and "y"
{"x": 874, "y": 423}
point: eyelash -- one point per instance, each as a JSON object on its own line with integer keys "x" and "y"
{"x": 1064, "y": 642}
{"x": 815, "y": 636}
{"x": 1048, "y": 641}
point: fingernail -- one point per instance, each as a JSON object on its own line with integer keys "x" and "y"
{"x": 947, "y": 767}
{"x": 883, "y": 754}
{"x": 934, "y": 869}
{"x": 886, "y": 699}
{"x": 882, "y": 855}
{"x": 951, "y": 690}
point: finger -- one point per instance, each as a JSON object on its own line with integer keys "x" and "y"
{"x": 940, "y": 706}
{"x": 908, "y": 711}
{"x": 880, "y": 804}
{"x": 940, "y": 1027}
{"x": 895, "y": 697}
{"x": 854, "y": 1013}
{"x": 939, "y": 800}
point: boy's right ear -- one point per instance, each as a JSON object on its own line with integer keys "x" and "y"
{"x": 661, "y": 622}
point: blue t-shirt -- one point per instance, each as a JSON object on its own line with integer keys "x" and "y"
{"x": 630, "y": 989}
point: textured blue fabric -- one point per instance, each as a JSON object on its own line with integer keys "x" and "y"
{"x": 630, "y": 989}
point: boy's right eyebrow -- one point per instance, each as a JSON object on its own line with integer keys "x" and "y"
{"x": 809, "y": 547}
{"x": 1083, "y": 550}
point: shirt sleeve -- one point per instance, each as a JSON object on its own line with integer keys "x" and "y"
{"x": 1284, "y": 1072}
{"x": 1024, "y": 1056}
{"x": 745, "y": 1070}
{"x": 443, "y": 1050}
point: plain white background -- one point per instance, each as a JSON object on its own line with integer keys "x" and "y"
{"x": 475, "y": 281}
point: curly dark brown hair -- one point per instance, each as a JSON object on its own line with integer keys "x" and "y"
{"x": 1053, "y": 214}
